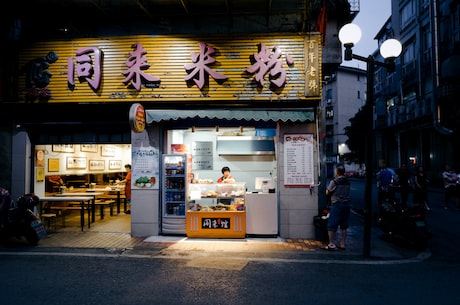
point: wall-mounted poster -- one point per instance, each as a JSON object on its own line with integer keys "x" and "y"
{"x": 39, "y": 158}
{"x": 76, "y": 163}
{"x": 114, "y": 164}
{"x": 40, "y": 174}
{"x": 108, "y": 151}
{"x": 298, "y": 160}
{"x": 202, "y": 152}
{"x": 53, "y": 165}
{"x": 88, "y": 147}
{"x": 96, "y": 165}
{"x": 68, "y": 148}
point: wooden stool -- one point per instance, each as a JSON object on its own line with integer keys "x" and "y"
{"x": 50, "y": 218}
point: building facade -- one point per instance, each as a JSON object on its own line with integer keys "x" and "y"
{"x": 344, "y": 95}
{"x": 71, "y": 81}
{"x": 417, "y": 107}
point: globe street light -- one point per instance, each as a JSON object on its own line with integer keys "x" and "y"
{"x": 349, "y": 35}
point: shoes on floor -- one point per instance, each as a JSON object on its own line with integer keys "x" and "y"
{"x": 330, "y": 247}
{"x": 128, "y": 212}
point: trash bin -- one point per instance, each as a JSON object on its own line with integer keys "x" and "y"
{"x": 320, "y": 222}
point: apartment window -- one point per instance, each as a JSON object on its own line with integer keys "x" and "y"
{"x": 426, "y": 44}
{"x": 329, "y": 130}
{"x": 329, "y": 112}
{"x": 409, "y": 53}
{"x": 408, "y": 13}
{"x": 456, "y": 25}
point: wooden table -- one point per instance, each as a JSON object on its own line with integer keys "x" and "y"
{"x": 118, "y": 190}
{"x": 81, "y": 199}
{"x": 85, "y": 194}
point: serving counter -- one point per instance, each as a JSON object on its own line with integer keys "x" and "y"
{"x": 216, "y": 211}
{"x": 216, "y": 224}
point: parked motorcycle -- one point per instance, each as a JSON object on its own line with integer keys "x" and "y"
{"x": 407, "y": 227}
{"x": 17, "y": 219}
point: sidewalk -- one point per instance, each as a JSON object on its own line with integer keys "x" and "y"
{"x": 122, "y": 243}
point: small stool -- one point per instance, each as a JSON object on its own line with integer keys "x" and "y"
{"x": 50, "y": 219}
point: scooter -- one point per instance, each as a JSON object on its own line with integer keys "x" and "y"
{"x": 17, "y": 219}
{"x": 406, "y": 227}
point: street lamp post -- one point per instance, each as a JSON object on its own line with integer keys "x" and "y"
{"x": 349, "y": 35}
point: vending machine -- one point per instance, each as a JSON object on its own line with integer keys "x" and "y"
{"x": 174, "y": 193}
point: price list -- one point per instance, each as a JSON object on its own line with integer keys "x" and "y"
{"x": 298, "y": 160}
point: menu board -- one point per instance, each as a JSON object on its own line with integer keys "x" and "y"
{"x": 298, "y": 160}
{"x": 202, "y": 155}
{"x": 145, "y": 172}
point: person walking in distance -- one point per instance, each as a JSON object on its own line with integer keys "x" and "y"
{"x": 339, "y": 215}
{"x": 404, "y": 176}
{"x": 451, "y": 186}
{"x": 384, "y": 185}
{"x": 128, "y": 186}
{"x": 420, "y": 189}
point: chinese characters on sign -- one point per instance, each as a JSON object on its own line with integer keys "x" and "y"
{"x": 200, "y": 66}
{"x": 136, "y": 63}
{"x": 215, "y": 223}
{"x": 89, "y": 63}
{"x": 242, "y": 70}
{"x": 312, "y": 57}
{"x": 202, "y": 155}
{"x": 298, "y": 159}
{"x": 264, "y": 62}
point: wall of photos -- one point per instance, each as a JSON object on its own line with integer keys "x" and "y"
{"x": 79, "y": 160}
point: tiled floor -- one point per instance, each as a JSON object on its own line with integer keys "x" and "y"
{"x": 113, "y": 232}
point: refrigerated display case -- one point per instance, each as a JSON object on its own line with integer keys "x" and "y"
{"x": 216, "y": 211}
{"x": 175, "y": 175}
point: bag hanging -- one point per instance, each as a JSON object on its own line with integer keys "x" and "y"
{"x": 39, "y": 228}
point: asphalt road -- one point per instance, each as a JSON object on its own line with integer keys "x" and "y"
{"x": 101, "y": 278}
{"x": 444, "y": 225}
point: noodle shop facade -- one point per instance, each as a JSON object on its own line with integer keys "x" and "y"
{"x": 212, "y": 98}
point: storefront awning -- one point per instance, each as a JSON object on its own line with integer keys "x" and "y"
{"x": 303, "y": 115}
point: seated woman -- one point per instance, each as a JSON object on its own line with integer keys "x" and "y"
{"x": 53, "y": 183}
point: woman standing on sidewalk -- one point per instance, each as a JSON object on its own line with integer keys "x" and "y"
{"x": 420, "y": 189}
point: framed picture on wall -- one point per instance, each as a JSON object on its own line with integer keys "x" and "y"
{"x": 114, "y": 164}
{"x": 88, "y": 147}
{"x": 68, "y": 148}
{"x": 108, "y": 151}
{"x": 96, "y": 165}
{"x": 40, "y": 174}
{"x": 53, "y": 165}
{"x": 76, "y": 163}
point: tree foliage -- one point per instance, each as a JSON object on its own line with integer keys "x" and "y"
{"x": 356, "y": 133}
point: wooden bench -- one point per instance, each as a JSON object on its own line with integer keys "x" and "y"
{"x": 117, "y": 198}
{"x": 103, "y": 204}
